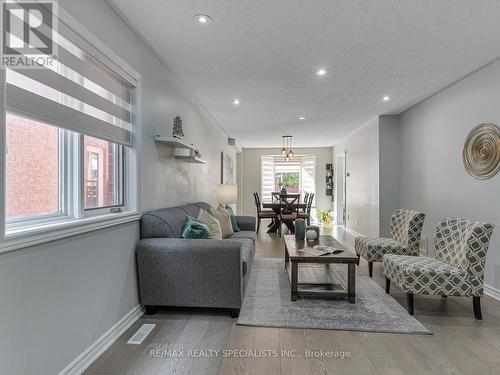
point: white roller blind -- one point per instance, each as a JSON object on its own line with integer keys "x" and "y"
{"x": 83, "y": 91}
{"x": 266, "y": 178}
{"x": 308, "y": 176}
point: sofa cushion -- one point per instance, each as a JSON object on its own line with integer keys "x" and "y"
{"x": 195, "y": 229}
{"x": 164, "y": 223}
{"x": 245, "y": 234}
{"x": 212, "y": 223}
{"x": 233, "y": 219}
{"x": 224, "y": 220}
{"x": 168, "y": 222}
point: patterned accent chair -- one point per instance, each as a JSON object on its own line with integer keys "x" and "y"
{"x": 457, "y": 268}
{"x": 406, "y": 228}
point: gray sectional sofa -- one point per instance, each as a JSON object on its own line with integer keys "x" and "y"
{"x": 174, "y": 271}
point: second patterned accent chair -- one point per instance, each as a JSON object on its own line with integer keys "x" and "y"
{"x": 457, "y": 268}
{"x": 406, "y": 228}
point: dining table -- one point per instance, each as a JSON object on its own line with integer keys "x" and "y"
{"x": 276, "y": 207}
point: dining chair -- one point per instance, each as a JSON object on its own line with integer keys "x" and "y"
{"x": 306, "y": 196}
{"x": 306, "y": 214}
{"x": 262, "y": 214}
{"x": 275, "y": 196}
{"x": 289, "y": 210}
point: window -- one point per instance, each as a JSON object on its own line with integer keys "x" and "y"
{"x": 69, "y": 150}
{"x": 33, "y": 174}
{"x": 297, "y": 175}
{"x": 103, "y": 173}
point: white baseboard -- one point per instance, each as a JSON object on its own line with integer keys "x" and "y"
{"x": 353, "y": 232}
{"x": 84, "y": 360}
{"x": 492, "y": 292}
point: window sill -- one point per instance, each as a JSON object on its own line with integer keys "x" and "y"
{"x": 25, "y": 237}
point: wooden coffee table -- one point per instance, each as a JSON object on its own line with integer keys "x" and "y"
{"x": 336, "y": 289}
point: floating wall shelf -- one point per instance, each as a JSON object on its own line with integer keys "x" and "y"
{"x": 190, "y": 159}
{"x": 178, "y": 144}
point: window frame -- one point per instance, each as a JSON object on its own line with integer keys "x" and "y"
{"x": 77, "y": 220}
{"x": 122, "y": 166}
{"x": 64, "y": 174}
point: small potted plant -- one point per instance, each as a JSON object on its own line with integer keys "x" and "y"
{"x": 324, "y": 217}
{"x": 282, "y": 187}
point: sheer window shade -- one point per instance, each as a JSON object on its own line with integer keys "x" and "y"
{"x": 267, "y": 178}
{"x": 273, "y": 164}
{"x": 83, "y": 91}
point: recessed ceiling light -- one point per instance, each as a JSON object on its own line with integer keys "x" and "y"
{"x": 386, "y": 98}
{"x": 302, "y": 118}
{"x": 203, "y": 19}
{"x": 321, "y": 72}
{"x": 236, "y": 101}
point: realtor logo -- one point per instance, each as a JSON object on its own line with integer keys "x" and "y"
{"x": 28, "y": 33}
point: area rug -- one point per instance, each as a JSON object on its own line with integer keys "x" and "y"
{"x": 267, "y": 304}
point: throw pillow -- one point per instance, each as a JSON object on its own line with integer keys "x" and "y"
{"x": 212, "y": 223}
{"x": 194, "y": 228}
{"x": 224, "y": 220}
{"x": 233, "y": 219}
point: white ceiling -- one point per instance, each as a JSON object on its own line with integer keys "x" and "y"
{"x": 266, "y": 52}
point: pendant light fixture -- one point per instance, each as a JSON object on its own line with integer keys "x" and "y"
{"x": 286, "y": 150}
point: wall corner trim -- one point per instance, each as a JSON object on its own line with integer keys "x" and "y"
{"x": 492, "y": 292}
{"x": 84, "y": 360}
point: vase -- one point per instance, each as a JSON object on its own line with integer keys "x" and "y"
{"x": 300, "y": 229}
{"x": 283, "y": 191}
{"x": 311, "y": 235}
{"x": 313, "y": 227}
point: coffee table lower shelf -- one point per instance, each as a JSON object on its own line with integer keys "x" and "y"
{"x": 330, "y": 283}
{"x": 338, "y": 288}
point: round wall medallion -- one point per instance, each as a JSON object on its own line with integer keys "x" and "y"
{"x": 482, "y": 151}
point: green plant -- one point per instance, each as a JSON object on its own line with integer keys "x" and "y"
{"x": 324, "y": 216}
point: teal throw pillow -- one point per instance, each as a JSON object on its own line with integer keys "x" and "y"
{"x": 233, "y": 219}
{"x": 194, "y": 228}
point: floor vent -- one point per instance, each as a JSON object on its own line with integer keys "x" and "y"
{"x": 141, "y": 334}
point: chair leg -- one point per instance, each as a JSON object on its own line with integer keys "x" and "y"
{"x": 359, "y": 257}
{"x": 387, "y": 285}
{"x": 410, "y": 301}
{"x": 370, "y": 269}
{"x": 476, "y": 303}
{"x": 258, "y": 224}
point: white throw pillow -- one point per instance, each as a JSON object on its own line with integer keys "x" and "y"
{"x": 212, "y": 223}
{"x": 224, "y": 220}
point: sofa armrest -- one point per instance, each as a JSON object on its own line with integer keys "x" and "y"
{"x": 190, "y": 272}
{"x": 246, "y": 223}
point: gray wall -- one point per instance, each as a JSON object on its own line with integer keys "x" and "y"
{"x": 433, "y": 178}
{"x": 60, "y": 297}
{"x": 249, "y": 175}
{"x": 362, "y": 187}
{"x": 389, "y": 166}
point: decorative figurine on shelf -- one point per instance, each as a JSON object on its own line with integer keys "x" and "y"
{"x": 177, "y": 131}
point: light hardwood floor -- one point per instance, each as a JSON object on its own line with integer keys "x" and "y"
{"x": 460, "y": 344}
